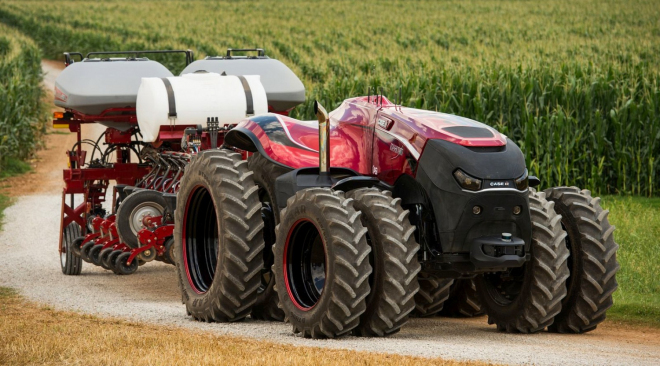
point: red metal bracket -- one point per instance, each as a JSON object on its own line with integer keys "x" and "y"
{"x": 152, "y": 239}
{"x": 90, "y": 237}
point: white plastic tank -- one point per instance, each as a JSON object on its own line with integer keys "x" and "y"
{"x": 196, "y": 97}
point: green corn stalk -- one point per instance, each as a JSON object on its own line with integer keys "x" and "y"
{"x": 583, "y": 102}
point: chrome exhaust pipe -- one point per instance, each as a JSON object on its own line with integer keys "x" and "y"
{"x": 324, "y": 138}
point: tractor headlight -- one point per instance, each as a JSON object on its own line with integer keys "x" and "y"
{"x": 466, "y": 181}
{"x": 523, "y": 182}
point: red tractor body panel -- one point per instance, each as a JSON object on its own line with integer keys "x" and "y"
{"x": 369, "y": 135}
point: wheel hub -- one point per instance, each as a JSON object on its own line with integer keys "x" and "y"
{"x": 142, "y": 211}
{"x": 200, "y": 240}
{"x": 305, "y": 266}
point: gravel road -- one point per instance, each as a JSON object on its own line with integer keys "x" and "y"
{"x": 30, "y": 263}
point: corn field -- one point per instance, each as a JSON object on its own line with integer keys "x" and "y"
{"x": 574, "y": 83}
{"x": 22, "y": 117}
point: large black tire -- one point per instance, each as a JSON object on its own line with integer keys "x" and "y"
{"x": 393, "y": 259}
{"x": 265, "y": 172}
{"x": 218, "y": 237}
{"x": 527, "y": 299}
{"x": 322, "y": 263}
{"x": 433, "y": 292}
{"x": 592, "y": 263}
{"x": 71, "y": 264}
{"x": 463, "y": 300}
{"x": 132, "y": 208}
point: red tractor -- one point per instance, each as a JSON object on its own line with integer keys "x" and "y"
{"x": 349, "y": 224}
{"x": 373, "y": 211}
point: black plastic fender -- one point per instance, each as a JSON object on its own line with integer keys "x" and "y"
{"x": 244, "y": 139}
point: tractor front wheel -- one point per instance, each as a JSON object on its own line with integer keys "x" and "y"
{"x": 433, "y": 292}
{"x": 463, "y": 300}
{"x": 322, "y": 263}
{"x": 527, "y": 299}
{"x": 592, "y": 263}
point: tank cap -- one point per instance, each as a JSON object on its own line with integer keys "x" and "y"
{"x": 506, "y": 236}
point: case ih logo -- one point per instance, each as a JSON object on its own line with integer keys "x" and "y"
{"x": 499, "y": 184}
{"x": 383, "y": 123}
{"x": 59, "y": 95}
{"x": 396, "y": 149}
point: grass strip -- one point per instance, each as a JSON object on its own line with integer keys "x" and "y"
{"x": 637, "y": 221}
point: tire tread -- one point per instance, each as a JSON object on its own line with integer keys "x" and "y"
{"x": 348, "y": 289}
{"x": 267, "y": 306}
{"x": 394, "y": 296}
{"x": 73, "y": 265}
{"x": 586, "y": 306}
{"x": 234, "y": 285}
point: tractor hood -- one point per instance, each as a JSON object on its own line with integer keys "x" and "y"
{"x": 456, "y": 129}
{"x": 417, "y": 126}
{"x": 295, "y": 143}
{"x": 414, "y": 127}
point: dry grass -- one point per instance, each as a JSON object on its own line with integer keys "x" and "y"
{"x": 31, "y": 334}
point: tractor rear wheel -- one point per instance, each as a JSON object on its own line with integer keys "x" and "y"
{"x": 71, "y": 264}
{"x": 526, "y": 299}
{"x": 322, "y": 263}
{"x": 433, "y": 292}
{"x": 393, "y": 258}
{"x": 265, "y": 172}
{"x": 133, "y": 209}
{"x": 592, "y": 263}
{"x": 463, "y": 300}
{"x": 218, "y": 237}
